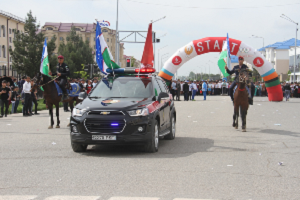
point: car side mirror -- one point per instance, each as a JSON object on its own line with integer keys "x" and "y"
{"x": 82, "y": 95}
{"x": 162, "y": 95}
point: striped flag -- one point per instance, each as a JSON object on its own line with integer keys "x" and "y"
{"x": 103, "y": 56}
{"x": 44, "y": 67}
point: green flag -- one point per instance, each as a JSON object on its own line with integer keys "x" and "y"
{"x": 223, "y": 60}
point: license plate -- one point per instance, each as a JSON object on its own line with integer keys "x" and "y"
{"x": 104, "y": 137}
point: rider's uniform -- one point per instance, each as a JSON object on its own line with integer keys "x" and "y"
{"x": 62, "y": 80}
{"x": 235, "y": 71}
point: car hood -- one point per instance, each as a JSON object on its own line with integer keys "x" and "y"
{"x": 113, "y": 103}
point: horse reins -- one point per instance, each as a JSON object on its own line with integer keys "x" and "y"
{"x": 48, "y": 82}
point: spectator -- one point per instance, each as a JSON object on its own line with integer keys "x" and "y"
{"x": 178, "y": 89}
{"x": 190, "y": 91}
{"x": 89, "y": 87}
{"x": 5, "y": 98}
{"x": 194, "y": 90}
{"x": 34, "y": 100}
{"x": 185, "y": 89}
{"x": 27, "y": 91}
{"x": 14, "y": 95}
{"x": 173, "y": 88}
{"x": 18, "y": 98}
{"x": 287, "y": 89}
{"x": 95, "y": 83}
{"x": 204, "y": 89}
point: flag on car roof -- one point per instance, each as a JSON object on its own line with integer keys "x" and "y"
{"x": 44, "y": 67}
{"x": 148, "y": 57}
{"x": 103, "y": 56}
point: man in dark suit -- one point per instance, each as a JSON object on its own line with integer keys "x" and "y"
{"x": 235, "y": 71}
{"x": 178, "y": 86}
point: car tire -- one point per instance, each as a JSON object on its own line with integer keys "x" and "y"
{"x": 78, "y": 147}
{"x": 152, "y": 146}
{"x": 171, "y": 135}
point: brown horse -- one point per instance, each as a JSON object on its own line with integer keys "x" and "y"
{"x": 241, "y": 100}
{"x": 51, "y": 97}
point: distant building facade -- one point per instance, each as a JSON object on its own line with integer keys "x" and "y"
{"x": 87, "y": 32}
{"x": 279, "y": 54}
{"x": 9, "y": 25}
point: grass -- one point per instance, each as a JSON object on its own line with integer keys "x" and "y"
{"x": 41, "y": 106}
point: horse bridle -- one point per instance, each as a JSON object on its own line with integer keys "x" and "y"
{"x": 45, "y": 83}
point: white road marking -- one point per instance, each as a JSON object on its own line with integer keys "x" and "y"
{"x": 133, "y": 198}
{"x": 191, "y": 199}
{"x": 17, "y": 197}
{"x": 73, "y": 198}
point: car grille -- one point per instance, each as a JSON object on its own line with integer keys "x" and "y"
{"x": 104, "y": 126}
{"x": 109, "y": 113}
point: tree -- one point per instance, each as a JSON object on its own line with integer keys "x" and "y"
{"x": 76, "y": 52}
{"x": 26, "y": 57}
{"x": 132, "y": 61}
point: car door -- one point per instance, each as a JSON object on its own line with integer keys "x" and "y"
{"x": 160, "y": 107}
{"x": 165, "y": 104}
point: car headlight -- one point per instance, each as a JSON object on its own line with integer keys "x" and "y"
{"x": 78, "y": 112}
{"x": 139, "y": 112}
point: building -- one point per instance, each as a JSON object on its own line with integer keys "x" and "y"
{"x": 86, "y": 31}
{"x": 281, "y": 55}
{"x": 9, "y": 25}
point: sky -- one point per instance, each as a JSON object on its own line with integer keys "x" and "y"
{"x": 185, "y": 21}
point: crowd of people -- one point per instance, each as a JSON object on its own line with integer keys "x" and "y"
{"x": 189, "y": 89}
{"x": 19, "y": 91}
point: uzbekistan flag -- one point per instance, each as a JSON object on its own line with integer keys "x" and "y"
{"x": 224, "y": 57}
{"x": 103, "y": 56}
{"x": 44, "y": 67}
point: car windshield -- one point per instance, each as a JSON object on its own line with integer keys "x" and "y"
{"x": 123, "y": 88}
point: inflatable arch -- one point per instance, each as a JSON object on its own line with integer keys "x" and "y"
{"x": 238, "y": 48}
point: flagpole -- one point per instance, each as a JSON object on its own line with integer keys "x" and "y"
{"x": 117, "y": 35}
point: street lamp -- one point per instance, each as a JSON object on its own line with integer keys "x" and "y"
{"x": 152, "y": 21}
{"x": 158, "y": 57}
{"x": 163, "y": 57}
{"x": 290, "y": 20}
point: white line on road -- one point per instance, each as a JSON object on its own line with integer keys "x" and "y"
{"x": 17, "y": 197}
{"x": 134, "y": 198}
{"x": 73, "y": 198}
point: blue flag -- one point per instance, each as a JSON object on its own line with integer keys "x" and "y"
{"x": 228, "y": 52}
{"x": 99, "y": 57}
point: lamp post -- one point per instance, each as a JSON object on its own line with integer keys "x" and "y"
{"x": 153, "y": 21}
{"x": 290, "y": 20}
{"x": 158, "y": 68}
{"x": 162, "y": 57}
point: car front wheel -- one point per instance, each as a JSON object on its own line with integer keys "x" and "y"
{"x": 171, "y": 135}
{"x": 152, "y": 146}
{"x": 78, "y": 147}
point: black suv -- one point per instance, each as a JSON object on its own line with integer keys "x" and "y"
{"x": 124, "y": 109}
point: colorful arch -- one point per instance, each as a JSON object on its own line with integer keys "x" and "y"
{"x": 238, "y": 48}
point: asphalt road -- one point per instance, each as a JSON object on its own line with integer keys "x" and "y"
{"x": 209, "y": 159}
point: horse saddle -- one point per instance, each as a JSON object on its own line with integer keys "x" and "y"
{"x": 73, "y": 90}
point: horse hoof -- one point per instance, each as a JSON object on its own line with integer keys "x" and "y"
{"x": 68, "y": 125}
{"x": 57, "y": 127}
{"x": 50, "y": 127}
{"x": 236, "y": 127}
{"x": 233, "y": 125}
{"x": 244, "y": 130}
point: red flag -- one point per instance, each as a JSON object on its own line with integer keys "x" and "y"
{"x": 148, "y": 58}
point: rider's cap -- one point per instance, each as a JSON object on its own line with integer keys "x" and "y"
{"x": 60, "y": 56}
{"x": 241, "y": 58}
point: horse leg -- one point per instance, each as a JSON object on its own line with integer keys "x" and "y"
{"x": 57, "y": 115}
{"x": 236, "y": 116}
{"x": 243, "y": 116}
{"x": 51, "y": 116}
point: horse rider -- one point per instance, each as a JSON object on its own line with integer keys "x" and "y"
{"x": 62, "y": 70}
{"x": 235, "y": 71}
